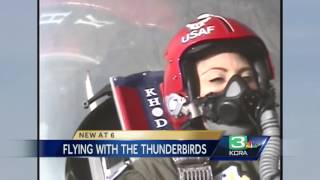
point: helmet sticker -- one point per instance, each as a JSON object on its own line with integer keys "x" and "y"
{"x": 196, "y": 33}
{"x": 198, "y": 28}
{"x": 202, "y": 20}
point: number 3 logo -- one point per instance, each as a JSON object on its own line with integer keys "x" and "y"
{"x": 237, "y": 142}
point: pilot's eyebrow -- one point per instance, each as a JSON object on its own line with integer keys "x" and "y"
{"x": 214, "y": 68}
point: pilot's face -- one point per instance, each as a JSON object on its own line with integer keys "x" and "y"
{"x": 215, "y": 71}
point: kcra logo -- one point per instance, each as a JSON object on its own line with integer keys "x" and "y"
{"x": 239, "y": 144}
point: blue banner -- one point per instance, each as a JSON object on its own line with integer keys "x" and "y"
{"x": 227, "y": 148}
{"x": 124, "y": 148}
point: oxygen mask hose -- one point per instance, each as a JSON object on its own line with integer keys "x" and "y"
{"x": 270, "y": 158}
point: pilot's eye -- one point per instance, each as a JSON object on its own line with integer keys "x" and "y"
{"x": 217, "y": 80}
{"x": 248, "y": 77}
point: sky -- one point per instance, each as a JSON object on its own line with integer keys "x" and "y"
{"x": 18, "y": 79}
{"x": 301, "y": 87}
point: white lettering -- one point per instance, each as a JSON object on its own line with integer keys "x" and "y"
{"x": 150, "y": 92}
{"x": 185, "y": 39}
{"x": 156, "y": 109}
{"x": 238, "y": 153}
{"x": 93, "y": 22}
{"x": 129, "y": 148}
{"x": 196, "y": 33}
{"x": 65, "y": 148}
{"x": 77, "y": 149}
{"x": 154, "y": 102}
{"x": 53, "y": 18}
{"x": 210, "y": 29}
{"x": 107, "y": 149}
{"x": 161, "y": 123}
